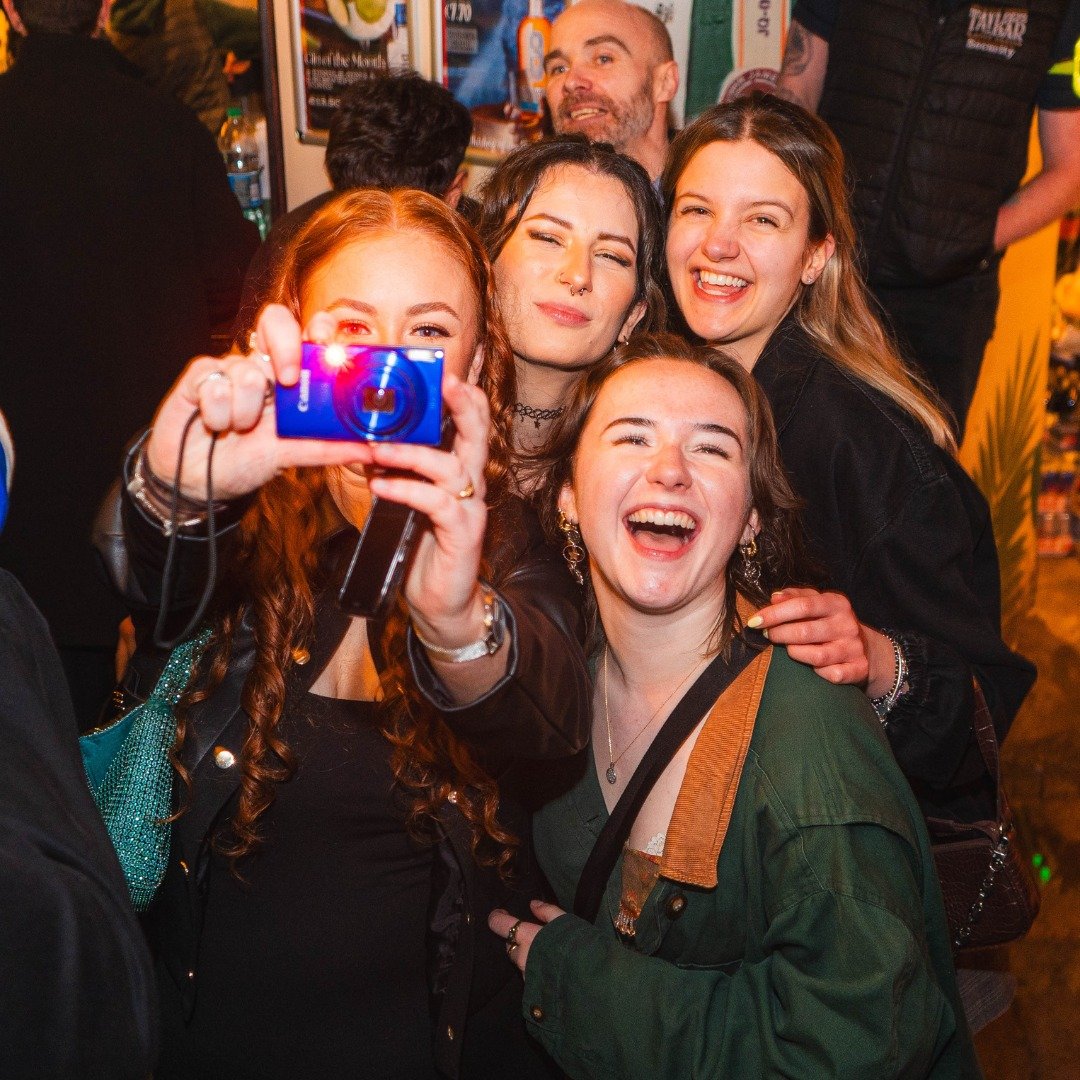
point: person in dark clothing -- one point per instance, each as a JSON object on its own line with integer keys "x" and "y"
{"x": 761, "y": 256}
{"x": 932, "y": 104}
{"x": 76, "y": 998}
{"x": 358, "y": 789}
{"x": 123, "y": 252}
{"x": 389, "y": 131}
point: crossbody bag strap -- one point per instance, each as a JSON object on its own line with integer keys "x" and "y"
{"x": 986, "y": 736}
{"x": 686, "y": 715}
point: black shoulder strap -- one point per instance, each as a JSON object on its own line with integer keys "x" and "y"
{"x": 686, "y": 715}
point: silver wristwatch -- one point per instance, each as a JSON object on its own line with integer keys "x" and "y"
{"x": 488, "y": 645}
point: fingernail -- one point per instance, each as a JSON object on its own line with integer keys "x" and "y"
{"x": 765, "y": 634}
{"x": 755, "y": 622}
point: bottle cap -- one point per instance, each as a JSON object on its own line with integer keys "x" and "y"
{"x": 234, "y": 110}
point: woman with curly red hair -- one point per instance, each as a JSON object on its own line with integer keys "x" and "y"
{"x": 348, "y": 810}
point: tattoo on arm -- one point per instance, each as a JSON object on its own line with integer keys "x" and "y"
{"x": 796, "y": 52}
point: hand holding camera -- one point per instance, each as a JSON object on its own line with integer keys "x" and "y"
{"x": 380, "y": 406}
{"x": 231, "y": 397}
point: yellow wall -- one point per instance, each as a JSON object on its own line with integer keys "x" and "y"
{"x": 1006, "y": 421}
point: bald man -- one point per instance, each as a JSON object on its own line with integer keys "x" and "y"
{"x": 610, "y": 76}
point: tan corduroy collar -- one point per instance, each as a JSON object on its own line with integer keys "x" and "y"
{"x": 702, "y": 811}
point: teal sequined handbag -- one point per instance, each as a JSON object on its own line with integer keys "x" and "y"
{"x": 130, "y": 775}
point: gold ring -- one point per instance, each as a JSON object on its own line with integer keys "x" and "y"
{"x": 511, "y": 937}
{"x": 511, "y": 946}
{"x": 217, "y": 373}
{"x": 467, "y": 492}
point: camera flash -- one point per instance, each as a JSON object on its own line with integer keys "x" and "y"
{"x": 335, "y": 356}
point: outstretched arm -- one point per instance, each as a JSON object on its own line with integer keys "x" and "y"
{"x": 1054, "y": 190}
{"x": 802, "y": 72}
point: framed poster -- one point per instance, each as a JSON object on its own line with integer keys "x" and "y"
{"x": 336, "y": 43}
{"x": 489, "y": 54}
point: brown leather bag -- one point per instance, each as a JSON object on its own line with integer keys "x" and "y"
{"x": 990, "y": 893}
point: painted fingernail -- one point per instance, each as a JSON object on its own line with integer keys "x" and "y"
{"x": 754, "y": 622}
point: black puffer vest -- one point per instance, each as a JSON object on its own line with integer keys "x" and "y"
{"x": 932, "y": 103}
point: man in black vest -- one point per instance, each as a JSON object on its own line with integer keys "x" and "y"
{"x": 121, "y": 250}
{"x": 932, "y": 102}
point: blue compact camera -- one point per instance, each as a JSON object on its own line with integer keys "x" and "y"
{"x": 361, "y": 393}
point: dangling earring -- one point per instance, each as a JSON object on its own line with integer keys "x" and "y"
{"x": 751, "y": 570}
{"x": 572, "y": 551}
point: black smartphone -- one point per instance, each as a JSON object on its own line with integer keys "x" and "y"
{"x": 382, "y": 553}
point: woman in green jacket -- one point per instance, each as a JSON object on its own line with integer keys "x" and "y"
{"x": 774, "y": 911}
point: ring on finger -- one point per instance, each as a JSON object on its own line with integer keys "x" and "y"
{"x": 217, "y": 373}
{"x": 467, "y": 492}
{"x": 511, "y": 936}
{"x": 511, "y": 946}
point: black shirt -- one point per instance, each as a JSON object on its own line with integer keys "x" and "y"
{"x": 315, "y": 963}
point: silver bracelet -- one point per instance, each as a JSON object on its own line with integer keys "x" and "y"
{"x": 488, "y": 645}
{"x": 142, "y": 490}
{"x": 883, "y": 705}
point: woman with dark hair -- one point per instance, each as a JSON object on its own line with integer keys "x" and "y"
{"x": 761, "y": 257}
{"x": 350, "y": 801}
{"x": 774, "y": 911}
{"x": 574, "y": 232}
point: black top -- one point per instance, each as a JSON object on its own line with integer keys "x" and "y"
{"x": 327, "y": 979}
{"x": 905, "y": 534}
{"x": 123, "y": 249}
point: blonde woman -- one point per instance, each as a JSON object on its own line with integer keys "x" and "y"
{"x": 761, "y": 257}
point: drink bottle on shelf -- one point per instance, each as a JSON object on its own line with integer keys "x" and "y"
{"x": 240, "y": 149}
{"x": 533, "y": 40}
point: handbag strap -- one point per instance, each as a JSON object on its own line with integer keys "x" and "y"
{"x": 982, "y": 724}
{"x": 686, "y": 715}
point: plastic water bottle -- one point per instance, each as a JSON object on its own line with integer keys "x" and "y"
{"x": 240, "y": 149}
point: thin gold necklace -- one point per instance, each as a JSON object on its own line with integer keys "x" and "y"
{"x": 610, "y": 774}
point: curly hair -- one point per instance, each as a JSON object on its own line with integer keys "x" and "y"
{"x": 781, "y": 558}
{"x": 506, "y": 194}
{"x": 275, "y": 572}
{"x": 836, "y": 310}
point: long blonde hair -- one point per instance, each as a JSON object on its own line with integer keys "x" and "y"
{"x": 836, "y": 310}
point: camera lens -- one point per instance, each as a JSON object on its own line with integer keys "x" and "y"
{"x": 379, "y": 399}
{"x": 380, "y": 396}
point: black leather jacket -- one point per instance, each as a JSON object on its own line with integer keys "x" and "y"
{"x": 538, "y": 712}
{"x": 905, "y": 534}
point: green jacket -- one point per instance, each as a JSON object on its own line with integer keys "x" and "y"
{"x": 821, "y": 951}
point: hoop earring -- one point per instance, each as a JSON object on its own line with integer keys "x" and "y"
{"x": 751, "y": 569}
{"x": 573, "y": 551}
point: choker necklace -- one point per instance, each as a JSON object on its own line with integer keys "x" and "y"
{"x": 611, "y": 775}
{"x": 536, "y": 415}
